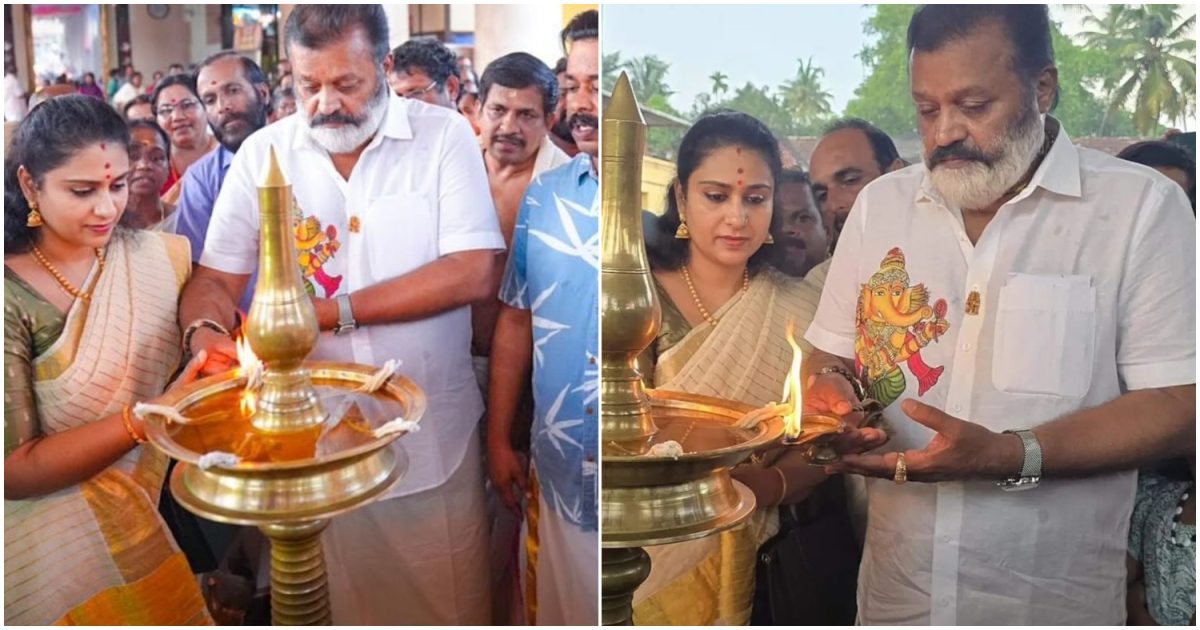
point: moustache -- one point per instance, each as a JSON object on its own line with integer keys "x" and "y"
{"x": 334, "y": 118}
{"x": 510, "y": 138}
{"x": 960, "y": 151}
{"x": 237, "y": 116}
{"x": 579, "y": 119}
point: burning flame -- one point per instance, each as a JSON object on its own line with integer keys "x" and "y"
{"x": 791, "y": 387}
{"x": 251, "y": 367}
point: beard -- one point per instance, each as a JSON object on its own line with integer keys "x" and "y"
{"x": 987, "y": 176}
{"x": 255, "y": 119}
{"x": 354, "y": 130}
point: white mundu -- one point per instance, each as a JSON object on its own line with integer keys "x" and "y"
{"x": 1081, "y": 288}
{"x": 418, "y": 192}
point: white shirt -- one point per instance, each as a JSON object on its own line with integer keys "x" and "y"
{"x": 1087, "y": 286}
{"x": 548, "y": 156}
{"x": 127, "y": 93}
{"x": 14, "y": 99}
{"x": 418, "y": 192}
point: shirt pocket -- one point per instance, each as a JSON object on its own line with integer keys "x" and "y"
{"x": 1045, "y": 337}
{"x": 401, "y": 234}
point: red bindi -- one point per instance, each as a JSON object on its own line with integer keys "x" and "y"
{"x": 107, "y": 165}
{"x": 102, "y": 146}
{"x": 739, "y": 150}
{"x": 739, "y": 182}
{"x": 740, "y": 171}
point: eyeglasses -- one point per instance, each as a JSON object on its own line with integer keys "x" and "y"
{"x": 418, "y": 93}
{"x": 182, "y": 107}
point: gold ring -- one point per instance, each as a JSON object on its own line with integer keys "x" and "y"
{"x": 901, "y": 475}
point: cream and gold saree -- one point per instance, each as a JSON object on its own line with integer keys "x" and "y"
{"x": 744, "y": 357}
{"x": 96, "y": 553}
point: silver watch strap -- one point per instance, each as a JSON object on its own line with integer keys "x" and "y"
{"x": 1033, "y": 453}
{"x": 345, "y": 313}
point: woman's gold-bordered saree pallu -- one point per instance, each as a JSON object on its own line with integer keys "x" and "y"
{"x": 96, "y": 553}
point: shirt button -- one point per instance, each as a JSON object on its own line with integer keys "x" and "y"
{"x": 958, "y": 407}
{"x": 592, "y": 360}
{"x": 590, "y": 411}
{"x": 945, "y": 538}
{"x": 944, "y": 602}
{"x": 966, "y": 347}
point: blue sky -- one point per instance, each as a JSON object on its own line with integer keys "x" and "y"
{"x": 759, "y": 44}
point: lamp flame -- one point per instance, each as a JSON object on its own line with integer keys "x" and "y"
{"x": 791, "y": 388}
{"x": 251, "y": 367}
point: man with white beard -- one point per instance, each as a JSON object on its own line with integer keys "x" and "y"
{"x": 1034, "y": 302}
{"x": 400, "y": 235}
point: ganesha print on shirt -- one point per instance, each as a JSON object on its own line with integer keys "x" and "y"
{"x": 315, "y": 247}
{"x": 894, "y": 321}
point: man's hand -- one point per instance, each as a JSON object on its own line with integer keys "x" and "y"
{"x": 327, "y": 313}
{"x": 506, "y": 471}
{"x": 960, "y": 450}
{"x": 220, "y": 351}
{"x": 832, "y": 394}
{"x": 829, "y": 393}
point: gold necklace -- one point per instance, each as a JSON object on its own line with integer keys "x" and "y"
{"x": 696, "y": 296}
{"x": 62, "y": 281}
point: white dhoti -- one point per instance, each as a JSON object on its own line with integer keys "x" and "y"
{"x": 420, "y": 559}
{"x": 566, "y": 571}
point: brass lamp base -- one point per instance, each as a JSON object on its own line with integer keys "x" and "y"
{"x": 300, "y": 480}
{"x": 660, "y": 500}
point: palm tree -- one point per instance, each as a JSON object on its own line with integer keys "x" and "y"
{"x": 649, "y": 77}
{"x": 803, "y": 96}
{"x": 719, "y": 84}
{"x": 612, "y": 66}
{"x": 1158, "y": 52}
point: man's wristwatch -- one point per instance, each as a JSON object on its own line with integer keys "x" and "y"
{"x": 346, "y": 322}
{"x": 1031, "y": 469}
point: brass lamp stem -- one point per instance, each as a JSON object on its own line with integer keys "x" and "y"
{"x": 621, "y": 572}
{"x": 282, "y": 324}
{"x": 299, "y": 585}
{"x": 630, "y": 313}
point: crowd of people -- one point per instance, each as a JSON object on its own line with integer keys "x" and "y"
{"x": 1022, "y": 310}
{"x": 432, "y": 211}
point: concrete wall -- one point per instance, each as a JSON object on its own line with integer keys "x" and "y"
{"x": 504, "y": 28}
{"x": 159, "y": 43}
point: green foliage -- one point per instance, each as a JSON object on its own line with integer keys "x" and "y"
{"x": 1156, "y": 52}
{"x": 611, "y": 67}
{"x": 884, "y": 97}
{"x": 1086, "y": 72}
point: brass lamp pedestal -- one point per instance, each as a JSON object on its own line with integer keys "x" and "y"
{"x": 298, "y": 466}
{"x": 648, "y": 500}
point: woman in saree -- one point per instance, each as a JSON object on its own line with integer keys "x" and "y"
{"x": 89, "y": 330}
{"x": 723, "y": 304}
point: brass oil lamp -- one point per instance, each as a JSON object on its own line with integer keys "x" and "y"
{"x": 645, "y": 499}
{"x": 305, "y": 447}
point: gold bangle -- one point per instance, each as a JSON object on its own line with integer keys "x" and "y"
{"x": 127, "y": 418}
{"x": 783, "y": 481}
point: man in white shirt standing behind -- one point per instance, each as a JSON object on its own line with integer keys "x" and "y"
{"x": 402, "y": 237}
{"x": 1034, "y": 303}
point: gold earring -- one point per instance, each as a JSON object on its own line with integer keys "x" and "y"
{"x": 770, "y": 239}
{"x": 35, "y": 218}
{"x": 682, "y": 232}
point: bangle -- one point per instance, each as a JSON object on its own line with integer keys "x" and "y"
{"x": 197, "y": 325}
{"x": 783, "y": 481}
{"x": 127, "y": 418}
{"x": 837, "y": 369}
